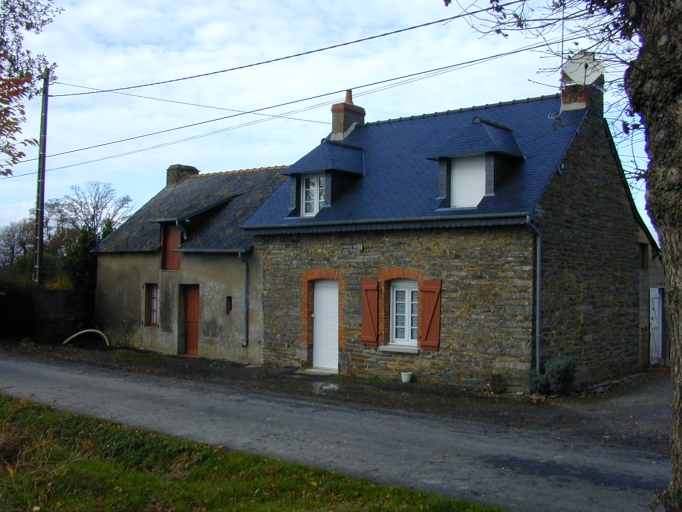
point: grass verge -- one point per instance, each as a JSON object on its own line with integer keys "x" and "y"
{"x": 54, "y": 461}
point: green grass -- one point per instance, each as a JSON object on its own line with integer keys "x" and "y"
{"x": 143, "y": 357}
{"x": 53, "y": 461}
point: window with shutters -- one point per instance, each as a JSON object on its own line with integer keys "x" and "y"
{"x": 312, "y": 194}
{"x": 171, "y": 238}
{"x": 467, "y": 181}
{"x": 404, "y": 312}
{"x": 401, "y": 315}
{"x": 151, "y": 305}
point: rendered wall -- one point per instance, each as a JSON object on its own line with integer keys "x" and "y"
{"x": 120, "y": 306}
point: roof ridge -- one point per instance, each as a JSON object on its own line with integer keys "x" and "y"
{"x": 240, "y": 171}
{"x": 466, "y": 109}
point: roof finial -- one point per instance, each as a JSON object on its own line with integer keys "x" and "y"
{"x": 349, "y": 96}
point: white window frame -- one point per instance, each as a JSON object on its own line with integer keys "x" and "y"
{"x": 410, "y": 289}
{"x": 467, "y": 181}
{"x": 315, "y": 183}
{"x": 151, "y": 305}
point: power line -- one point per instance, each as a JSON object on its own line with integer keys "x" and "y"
{"x": 385, "y": 84}
{"x": 189, "y": 104}
{"x": 461, "y": 15}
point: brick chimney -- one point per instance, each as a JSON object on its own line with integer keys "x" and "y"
{"x": 345, "y": 117}
{"x": 575, "y": 96}
{"x": 177, "y": 173}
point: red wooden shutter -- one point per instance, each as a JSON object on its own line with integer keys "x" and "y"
{"x": 429, "y": 320}
{"x": 370, "y": 310}
{"x": 172, "y": 238}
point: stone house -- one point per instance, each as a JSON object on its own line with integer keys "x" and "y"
{"x": 180, "y": 276}
{"x": 455, "y": 245}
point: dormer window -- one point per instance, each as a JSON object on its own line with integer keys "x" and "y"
{"x": 467, "y": 181}
{"x": 312, "y": 194}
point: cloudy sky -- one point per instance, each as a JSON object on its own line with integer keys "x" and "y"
{"x": 120, "y": 43}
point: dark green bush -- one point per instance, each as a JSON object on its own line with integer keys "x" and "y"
{"x": 558, "y": 377}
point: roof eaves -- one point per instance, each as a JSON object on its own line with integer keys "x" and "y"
{"x": 500, "y": 219}
{"x": 213, "y": 251}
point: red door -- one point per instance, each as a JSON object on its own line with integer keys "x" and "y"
{"x": 192, "y": 320}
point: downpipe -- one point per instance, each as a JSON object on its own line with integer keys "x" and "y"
{"x": 538, "y": 288}
{"x": 245, "y": 343}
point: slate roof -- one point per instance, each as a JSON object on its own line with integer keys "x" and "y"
{"x": 214, "y": 204}
{"x": 399, "y": 182}
{"x": 329, "y": 156}
{"x": 482, "y": 136}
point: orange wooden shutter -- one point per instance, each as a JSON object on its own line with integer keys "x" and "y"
{"x": 370, "y": 310}
{"x": 429, "y": 319}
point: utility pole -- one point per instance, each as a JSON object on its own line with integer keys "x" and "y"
{"x": 40, "y": 196}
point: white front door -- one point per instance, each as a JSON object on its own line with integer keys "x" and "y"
{"x": 326, "y": 325}
{"x": 656, "y": 325}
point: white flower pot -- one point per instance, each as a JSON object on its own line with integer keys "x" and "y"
{"x": 406, "y": 376}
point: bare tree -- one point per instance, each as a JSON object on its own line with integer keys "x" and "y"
{"x": 92, "y": 207}
{"x": 643, "y": 38}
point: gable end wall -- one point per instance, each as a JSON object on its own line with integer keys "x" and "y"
{"x": 590, "y": 261}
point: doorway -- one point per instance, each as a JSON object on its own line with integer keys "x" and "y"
{"x": 326, "y": 325}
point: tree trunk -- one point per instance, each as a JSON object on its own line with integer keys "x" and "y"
{"x": 654, "y": 83}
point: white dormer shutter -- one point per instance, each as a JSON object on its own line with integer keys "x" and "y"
{"x": 468, "y": 181}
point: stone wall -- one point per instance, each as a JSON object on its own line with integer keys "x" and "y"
{"x": 121, "y": 283}
{"x": 590, "y": 260}
{"x": 487, "y": 299}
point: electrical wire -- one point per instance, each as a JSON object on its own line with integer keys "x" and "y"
{"x": 309, "y": 52}
{"x": 385, "y": 84}
{"x": 188, "y": 104}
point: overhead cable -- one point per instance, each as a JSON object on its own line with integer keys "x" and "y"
{"x": 278, "y": 59}
{"x": 385, "y": 84}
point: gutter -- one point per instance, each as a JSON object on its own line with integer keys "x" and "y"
{"x": 245, "y": 343}
{"x": 538, "y": 288}
{"x": 395, "y": 223}
{"x": 212, "y": 251}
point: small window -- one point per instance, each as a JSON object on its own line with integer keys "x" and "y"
{"x": 404, "y": 312}
{"x": 312, "y": 194}
{"x": 643, "y": 256}
{"x": 152, "y": 305}
{"x": 228, "y": 305}
{"x": 467, "y": 181}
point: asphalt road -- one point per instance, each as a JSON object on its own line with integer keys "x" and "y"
{"x": 515, "y": 469}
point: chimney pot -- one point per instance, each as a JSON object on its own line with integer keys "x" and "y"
{"x": 344, "y": 116}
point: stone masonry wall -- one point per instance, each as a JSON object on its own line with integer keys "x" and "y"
{"x": 487, "y": 299}
{"x": 590, "y": 259}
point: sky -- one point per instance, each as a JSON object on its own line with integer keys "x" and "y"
{"x": 121, "y": 43}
